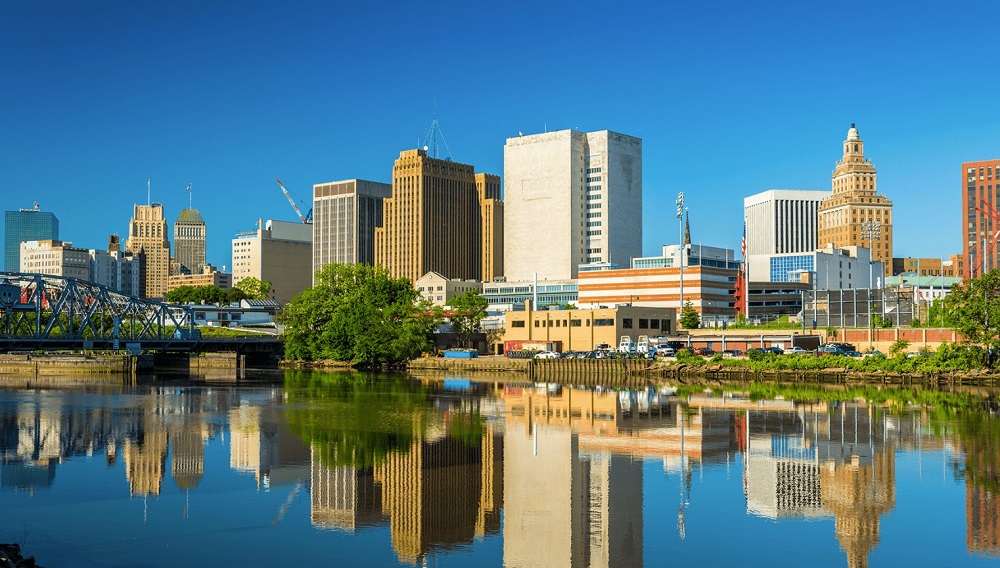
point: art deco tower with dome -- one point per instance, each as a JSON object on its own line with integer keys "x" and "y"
{"x": 855, "y": 215}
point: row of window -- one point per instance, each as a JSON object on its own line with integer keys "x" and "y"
{"x": 627, "y": 323}
{"x": 594, "y": 170}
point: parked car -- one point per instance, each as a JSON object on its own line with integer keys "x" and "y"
{"x": 775, "y": 349}
{"x": 796, "y": 350}
{"x": 872, "y": 352}
{"x": 547, "y": 355}
{"x": 852, "y": 353}
{"x": 734, "y": 352}
{"x": 666, "y": 351}
{"x": 704, "y": 351}
{"x": 831, "y": 350}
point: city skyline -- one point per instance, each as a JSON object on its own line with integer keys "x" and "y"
{"x": 729, "y": 100}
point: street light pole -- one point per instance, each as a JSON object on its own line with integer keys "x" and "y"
{"x": 871, "y": 230}
{"x": 680, "y": 223}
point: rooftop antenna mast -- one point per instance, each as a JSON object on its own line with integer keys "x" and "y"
{"x": 431, "y": 137}
{"x": 149, "y": 200}
{"x": 188, "y": 190}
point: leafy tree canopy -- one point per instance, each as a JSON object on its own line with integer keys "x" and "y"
{"x": 254, "y": 288}
{"x": 359, "y": 314}
{"x": 973, "y": 309}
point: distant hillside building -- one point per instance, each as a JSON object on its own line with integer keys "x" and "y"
{"x": 279, "y": 252}
{"x": 432, "y": 222}
{"x": 189, "y": 242}
{"x": 345, "y": 215}
{"x": 571, "y": 198}
{"x": 855, "y": 211}
{"x": 26, "y": 225}
{"x": 147, "y": 239}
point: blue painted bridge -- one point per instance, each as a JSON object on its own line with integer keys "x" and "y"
{"x": 54, "y": 313}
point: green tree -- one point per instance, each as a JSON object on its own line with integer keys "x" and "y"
{"x": 467, "y": 313}
{"x": 254, "y": 288}
{"x": 689, "y": 317}
{"x": 209, "y": 294}
{"x": 973, "y": 309}
{"x": 359, "y": 314}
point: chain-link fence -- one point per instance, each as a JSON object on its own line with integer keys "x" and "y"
{"x": 887, "y": 307}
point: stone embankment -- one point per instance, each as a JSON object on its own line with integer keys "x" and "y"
{"x": 72, "y": 364}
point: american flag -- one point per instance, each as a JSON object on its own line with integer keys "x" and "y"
{"x": 743, "y": 245}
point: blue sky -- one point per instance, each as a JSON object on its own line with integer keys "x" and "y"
{"x": 729, "y": 98}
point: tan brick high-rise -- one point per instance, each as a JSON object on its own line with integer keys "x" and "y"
{"x": 854, "y": 201}
{"x": 432, "y": 222}
{"x": 147, "y": 237}
{"x": 491, "y": 213}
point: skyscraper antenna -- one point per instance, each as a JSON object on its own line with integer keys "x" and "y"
{"x": 431, "y": 137}
{"x": 188, "y": 190}
{"x": 149, "y": 200}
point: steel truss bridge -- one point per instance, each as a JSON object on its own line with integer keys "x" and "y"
{"x": 42, "y": 312}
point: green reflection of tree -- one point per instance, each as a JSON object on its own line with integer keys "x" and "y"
{"x": 467, "y": 427}
{"x": 355, "y": 419}
{"x": 980, "y": 433}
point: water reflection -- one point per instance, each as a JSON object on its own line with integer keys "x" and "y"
{"x": 561, "y": 474}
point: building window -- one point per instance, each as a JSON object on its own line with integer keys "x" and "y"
{"x": 626, "y": 323}
{"x": 517, "y": 324}
{"x": 603, "y": 322}
{"x": 654, "y": 324}
{"x": 643, "y": 323}
{"x": 536, "y": 323}
{"x": 575, "y": 323}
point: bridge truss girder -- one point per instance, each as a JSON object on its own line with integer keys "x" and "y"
{"x": 49, "y": 307}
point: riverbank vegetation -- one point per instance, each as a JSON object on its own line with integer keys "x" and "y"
{"x": 948, "y": 358}
{"x": 359, "y": 314}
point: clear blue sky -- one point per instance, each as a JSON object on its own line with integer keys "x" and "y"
{"x": 729, "y": 98}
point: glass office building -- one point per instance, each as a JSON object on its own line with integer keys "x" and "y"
{"x": 26, "y": 225}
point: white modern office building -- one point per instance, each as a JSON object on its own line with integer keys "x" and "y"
{"x": 571, "y": 198}
{"x": 842, "y": 268}
{"x": 781, "y": 221}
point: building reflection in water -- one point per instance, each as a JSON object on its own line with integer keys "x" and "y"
{"x": 566, "y": 463}
{"x": 570, "y": 500}
{"x": 817, "y": 461}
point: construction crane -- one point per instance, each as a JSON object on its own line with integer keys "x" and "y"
{"x": 989, "y": 245}
{"x": 307, "y": 218}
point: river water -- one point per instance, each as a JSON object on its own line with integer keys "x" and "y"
{"x": 314, "y": 469}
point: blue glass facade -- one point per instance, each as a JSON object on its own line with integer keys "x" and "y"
{"x": 25, "y": 225}
{"x": 517, "y": 294}
{"x": 789, "y": 268}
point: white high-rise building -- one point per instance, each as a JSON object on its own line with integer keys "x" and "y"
{"x": 571, "y": 198}
{"x": 781, "y": 221}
